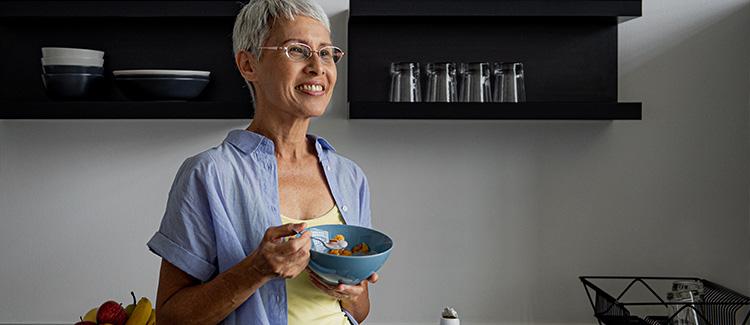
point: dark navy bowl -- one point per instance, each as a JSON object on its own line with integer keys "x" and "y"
{"x": 71, "y": 85}
{"x": 352, "y": 270}
{"x": 161, "y": 76}
{"x": 57, "y": 69}
{"x": 144, "y": 88}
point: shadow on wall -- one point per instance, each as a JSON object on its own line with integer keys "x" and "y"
{"x": 338, "y": 108}
{"x": 683, "y": 63}
{"x": 641, "y": 40}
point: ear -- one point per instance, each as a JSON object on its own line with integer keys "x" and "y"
{"x": 247, "y": 64}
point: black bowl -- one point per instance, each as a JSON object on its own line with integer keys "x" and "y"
{"x": 161, "y": 76}
{"x": 161, "y": 87}
{"x": 58, "y": 69}
{"x": 71, "y": 85}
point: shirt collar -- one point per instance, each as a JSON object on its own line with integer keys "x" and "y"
{"x": 248, "y": 142}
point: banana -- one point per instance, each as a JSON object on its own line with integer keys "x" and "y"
{"x": 152, "y": 318}
{"x": 141, "y": 313}
{"x": 91, "y": 315}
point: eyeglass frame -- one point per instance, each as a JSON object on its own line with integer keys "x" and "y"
{"x": 286, "y": 51}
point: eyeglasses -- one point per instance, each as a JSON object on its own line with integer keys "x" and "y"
{"x": 302, "y": 52}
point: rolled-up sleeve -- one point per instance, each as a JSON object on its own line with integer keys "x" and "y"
{"x": 186, "y": 237}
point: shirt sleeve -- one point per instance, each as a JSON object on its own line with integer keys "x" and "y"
{"x": 186, "y": 236}
{"x": 364, "y": 202}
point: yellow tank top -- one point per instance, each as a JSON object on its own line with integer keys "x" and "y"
{"x": 306, "y": 304}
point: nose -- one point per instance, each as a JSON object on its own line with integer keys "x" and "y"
{"x": 315, "y": 65}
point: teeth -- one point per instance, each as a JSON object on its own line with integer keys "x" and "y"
{"x": 310, "y": 87}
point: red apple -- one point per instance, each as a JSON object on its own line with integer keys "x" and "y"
{"x": 85, "y": 322}
{"x": 111, "y": 312}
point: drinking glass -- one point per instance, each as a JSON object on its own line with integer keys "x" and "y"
{"x": 509, "y": 84}
{"x": 686, "y": 292}
{"x": 405, "y": 82}
{"x": 475, "y": 82}
{"x": 441, "y": 82}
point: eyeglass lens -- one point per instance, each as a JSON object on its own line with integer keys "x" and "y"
{"x": 301, "y": 52}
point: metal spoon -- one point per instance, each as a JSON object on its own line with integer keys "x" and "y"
{"x": 332, "y": 244}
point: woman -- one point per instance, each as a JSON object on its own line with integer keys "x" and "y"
{"x": 223, "y": 257}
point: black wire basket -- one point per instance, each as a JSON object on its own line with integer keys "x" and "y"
{"x": 719, "y": 305}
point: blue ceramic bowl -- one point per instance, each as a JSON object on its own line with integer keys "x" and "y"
{"x": 351, "y": 269}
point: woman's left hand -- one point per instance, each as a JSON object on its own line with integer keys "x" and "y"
{"x": 342, "y": 291}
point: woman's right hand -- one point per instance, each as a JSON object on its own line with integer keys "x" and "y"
{"x": 278, "y": 258}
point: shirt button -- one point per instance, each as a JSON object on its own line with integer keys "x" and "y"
{"x": 344, "y": 208}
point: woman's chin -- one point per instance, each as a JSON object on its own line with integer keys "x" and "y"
{"x": 313, "y": 111}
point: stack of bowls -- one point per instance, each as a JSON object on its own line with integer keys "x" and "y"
{"x": 69, "y": 73}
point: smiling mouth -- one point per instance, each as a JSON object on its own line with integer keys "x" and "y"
{"x": 310, "y": 88}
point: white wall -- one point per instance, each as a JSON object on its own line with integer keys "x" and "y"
{"x": 546, "y": 201}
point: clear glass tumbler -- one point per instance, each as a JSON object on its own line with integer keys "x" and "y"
{"x": 405, "y": 82}
{"x": 509, "y": 84}
{"x": 686, "y": 292}
{"x": 441, "y": 82}
{"x": 475, "y": 82}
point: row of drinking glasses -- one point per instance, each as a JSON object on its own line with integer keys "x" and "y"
{"x": 474, "y": 82}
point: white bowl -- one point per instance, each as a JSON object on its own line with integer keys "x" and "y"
{"x": 49, "y": 52}
{"x": 160, "y": 72}
{"x": 68, "y": 60}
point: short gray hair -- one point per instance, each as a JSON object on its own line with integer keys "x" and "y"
{"x": 253, "y": 23}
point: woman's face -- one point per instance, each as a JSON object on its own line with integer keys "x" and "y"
{"x": 299, "y": 88}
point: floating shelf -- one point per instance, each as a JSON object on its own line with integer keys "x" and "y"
{"x": 623, "y": 9}
{"x": 125, "y": 110}
{"x": 496, "y": 111}
{"x": 568, "y": 49}
{"x": 133, "y": 35}
{"x": 119, "y": 8}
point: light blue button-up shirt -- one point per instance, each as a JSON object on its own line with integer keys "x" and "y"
{"x": 223, "y": 200}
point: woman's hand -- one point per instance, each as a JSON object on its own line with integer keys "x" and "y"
{"x": 278, "y": 258}
{"x": 342, "y": 291}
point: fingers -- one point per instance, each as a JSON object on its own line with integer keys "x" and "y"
{"x": 315, "y": 280}
{"x": 275, "y": 233}
{"x": 286, "y": 259}
{"x": 373, "y": 278}
{"x": 339, "y": 291}
{"x": 295, "y": 245}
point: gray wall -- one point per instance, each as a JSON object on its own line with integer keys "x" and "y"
{"x": 542, "y": 202}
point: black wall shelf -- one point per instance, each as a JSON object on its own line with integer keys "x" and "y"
{"x": 496, "y": 111}
{"x": 623, "y": 9}
{"x": 9, "y": 9}
{"x": 125, "y": 110}
{"x": 182, "y": 35}
{"x": 568, "y": 48}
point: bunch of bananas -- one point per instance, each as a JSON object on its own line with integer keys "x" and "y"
{"x": 112, "y": 313}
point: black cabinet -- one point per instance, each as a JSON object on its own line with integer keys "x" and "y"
{"x": 568, "y": 48}
{"x": 184, "y": 35}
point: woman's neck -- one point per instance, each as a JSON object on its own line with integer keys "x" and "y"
{"x": 289, "y": 136}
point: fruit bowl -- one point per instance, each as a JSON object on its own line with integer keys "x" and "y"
{"x": 351, "y": 270}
